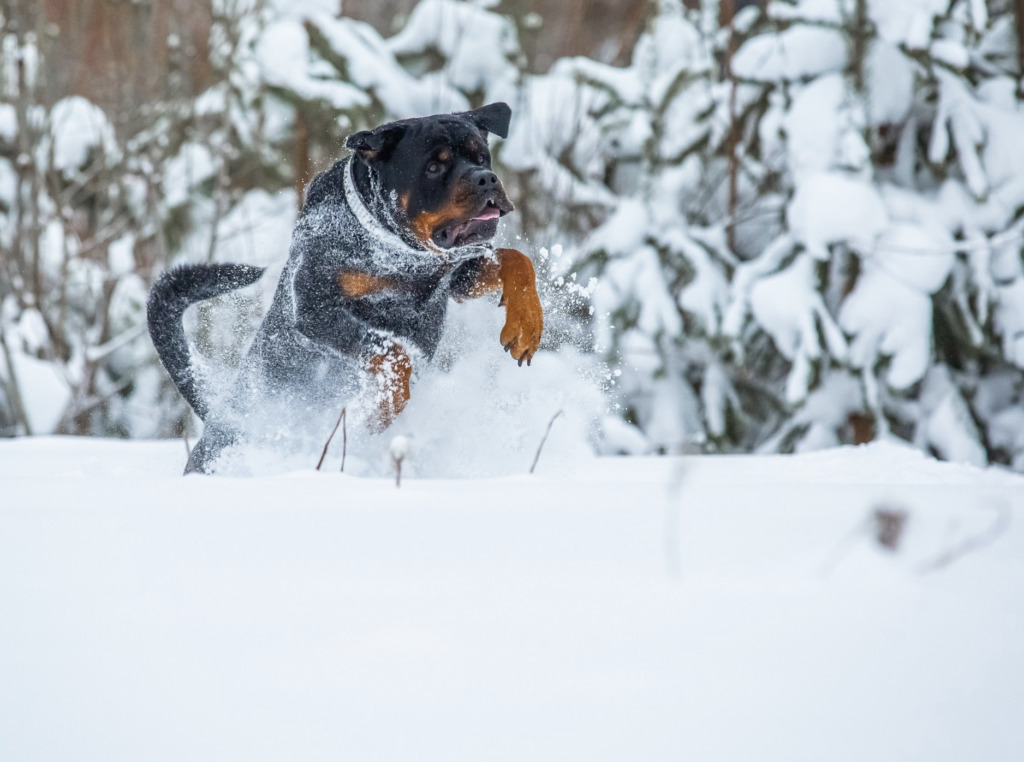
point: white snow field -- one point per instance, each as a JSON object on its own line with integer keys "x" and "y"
{"x": 697, "y": 608}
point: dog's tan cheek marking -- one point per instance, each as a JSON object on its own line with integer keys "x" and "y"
{"x": 425, "y": 223}
{"x": 423, "y": 226}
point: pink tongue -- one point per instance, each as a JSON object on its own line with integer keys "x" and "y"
{"x": 489, "y": 213}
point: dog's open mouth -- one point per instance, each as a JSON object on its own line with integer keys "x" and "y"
{"x": 482, "y": 227}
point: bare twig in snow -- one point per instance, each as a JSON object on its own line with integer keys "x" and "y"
{"x": 544, "y": 439}
{"x": 399, "y": 451}
{"x": 344, "y": 439}
{"x": 328, "y": 443}
{"x": 1018, "y": 13}
{"x": 673, "y": 519}
{"x": 13, "y": 390}
{"x": 884, "y": 524}
{"x": 843, "y": 547}
{"x": 728, "y": 13}
{"x": 97, "y": 353}
{"x": 889, "y": 525}
{"x": 190, "y": 465}
{"x": 972, "y": 544}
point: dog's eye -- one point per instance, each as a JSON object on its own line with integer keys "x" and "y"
{"x": 433, "y": 168}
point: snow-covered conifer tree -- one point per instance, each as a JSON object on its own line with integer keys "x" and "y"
{"x": 832, "y": 253}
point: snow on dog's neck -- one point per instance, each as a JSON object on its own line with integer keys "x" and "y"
{"x": 392, "y": 242}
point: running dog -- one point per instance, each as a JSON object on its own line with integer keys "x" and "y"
{"x": 385, "y": 239}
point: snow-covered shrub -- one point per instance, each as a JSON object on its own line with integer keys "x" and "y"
{"x": 819, "y": 241}
{"x": 93, "y": 206}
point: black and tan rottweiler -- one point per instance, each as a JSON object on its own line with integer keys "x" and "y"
{"x": 386, "y": 237}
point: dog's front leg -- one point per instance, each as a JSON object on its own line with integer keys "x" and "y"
{"x": 512, "y": 272}
{"x": 322, "y": 314}
{"x": 392, "y": 372}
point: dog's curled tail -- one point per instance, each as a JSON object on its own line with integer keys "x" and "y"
{"x": 171, "y": 295}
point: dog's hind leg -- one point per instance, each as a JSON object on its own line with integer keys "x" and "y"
{"x": 215, "y": 438}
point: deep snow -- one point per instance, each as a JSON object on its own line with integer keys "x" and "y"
{"x": 703, "y": 608}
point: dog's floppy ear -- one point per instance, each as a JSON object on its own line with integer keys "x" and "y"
{"x": 376, "y": 145}
{"x": 491, "y": 118}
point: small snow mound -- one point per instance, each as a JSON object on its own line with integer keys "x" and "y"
{"x": 890, "y": 461}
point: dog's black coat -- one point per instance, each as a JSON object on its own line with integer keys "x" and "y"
{"x": 359, "y": 217}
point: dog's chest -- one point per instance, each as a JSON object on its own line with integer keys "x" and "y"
{"x": 413, "y": 308}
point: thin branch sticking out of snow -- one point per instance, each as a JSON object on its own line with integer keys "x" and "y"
{"x": 885, "y": 525}
{"x": 190, "y": 465}
{"x": 544, "y": 439}
{"x": 972, "y": 544}
{"x": 344, "y": 442}
{"x": 95, "y": 354}
{"x": 889, "y": 524}
{"x": 344, "y": 439}
{"x": 400, "y": 447}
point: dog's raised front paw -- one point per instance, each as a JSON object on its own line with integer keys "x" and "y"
{"x": 524, "y": 316}
{"x": 524, "y": 323}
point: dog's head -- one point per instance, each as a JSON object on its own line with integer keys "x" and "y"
{"x": 437, "y": 170}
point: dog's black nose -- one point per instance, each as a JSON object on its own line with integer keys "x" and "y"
{"x": 483, "y": 178}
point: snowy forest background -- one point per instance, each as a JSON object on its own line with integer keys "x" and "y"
{"x": 784, "y": 226}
